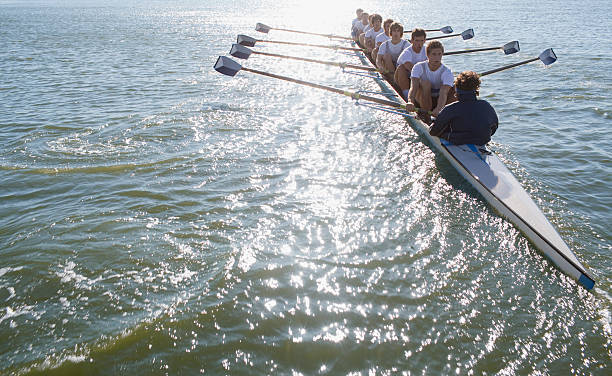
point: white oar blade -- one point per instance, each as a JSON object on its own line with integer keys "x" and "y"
{"x": 468, "y": 34}
{"x": 548, "y": 56}
{"x": 262, "y": 28}
{"x": 240, "y": 51}
{"x": 245, "y": 40}
{"x": 227, "y": 66}
{"x": 446, "y": 29}
{"x": 511, "y": 47}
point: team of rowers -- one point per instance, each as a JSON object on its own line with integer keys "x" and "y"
{"x": 424, "y": 82}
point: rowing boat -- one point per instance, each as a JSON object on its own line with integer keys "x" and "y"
{"x": 480, "y": 166}
{"x": 485, "y": 171}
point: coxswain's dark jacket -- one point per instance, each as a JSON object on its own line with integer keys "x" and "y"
{"x": 468, "y": 121}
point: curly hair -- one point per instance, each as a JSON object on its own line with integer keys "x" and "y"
{"x": 396, "y": 26}
{"x": 433, "y": 45}
{"x": 468, "y": 81}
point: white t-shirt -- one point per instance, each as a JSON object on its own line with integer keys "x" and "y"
{"x": 394, "y": 49}
{"x": 409, "y": 56}
{"x": 360, "y": 26}
{"x": 372, "y": 33}
{"x": 356, "y": 21}
{"x": 367, "y": 28}
{"x": 382, "y": 37}
{"x": 439, "y": 77}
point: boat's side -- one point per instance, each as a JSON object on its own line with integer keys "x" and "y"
{"x": 492, "y": 179}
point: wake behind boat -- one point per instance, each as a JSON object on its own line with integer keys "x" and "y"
{"x": 480, "y": 166}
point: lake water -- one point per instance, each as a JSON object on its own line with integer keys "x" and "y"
{"x": 157, "y": 217}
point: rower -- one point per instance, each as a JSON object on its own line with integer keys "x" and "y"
{"x": 468, "y": 121}
{"x": 354, "y": 30}
{"x": 359, "y": 26}
{"x": 371, "y": 35}
{"x": 382, "y": 37}
{"x": 415, "y": 53}
{"x": 368, "y": 27}
{"x": 431, "y": 83}
{"x": 389, "y": 51}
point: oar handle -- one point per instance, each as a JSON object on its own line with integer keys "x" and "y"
{"x": 310, "y": 45}
{"x": 309, "y": 33}
{"x": 329, "y": 88}
{"x": 472, "y": 50}
{"x": 508, "y": 67}
{"x": 341, "y": 65}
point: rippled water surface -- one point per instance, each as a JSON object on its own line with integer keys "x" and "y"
{"x": 159, "y": 218}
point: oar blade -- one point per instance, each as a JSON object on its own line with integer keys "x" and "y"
{"x": 245, "y": 40}
{"x": 240, "y": 51}
{"x": 262, "y": 28}
{"x": 446, "y": 29}
{"x": 548, "y": 56}
{"x": 227, "y": 66}
{"x": 468, "y": 34}
{"x": 511, "y": 47}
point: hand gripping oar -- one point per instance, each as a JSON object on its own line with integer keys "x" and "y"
{"x": 265, "y": 29}
{"x": 445, "y": 30}
{"x": 242, "y": 52}
{"x": 250, "y": 42}
{"x": 229, "y": 67}
{"x": 547, "y": 57}
{"x": 508, "y": 48}
{"x": 468, "y": 34}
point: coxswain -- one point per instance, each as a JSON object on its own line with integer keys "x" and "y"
{"x": 431, "y": 83}
{"x": 354, "y": 28}
{"x": 469, "y": 120}
{"x": 415, "y": 53}
{"x": 371, "y": 35}
{"x": 382, "y": 37}
{"x": 389, "y": 51}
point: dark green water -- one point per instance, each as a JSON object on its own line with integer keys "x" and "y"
{"x": 157, "y": 217}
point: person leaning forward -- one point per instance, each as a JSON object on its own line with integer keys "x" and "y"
{"x": 468, "y": 121}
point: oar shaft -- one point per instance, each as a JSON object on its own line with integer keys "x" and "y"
{"x": 472, "y": 50}
{"x": 310, "y": 45}
{"x": 341, "y": 65}
{"x": 309, "y": 33}
{"x": 508, "y": 66}
{"x": 327, "y": 88}
{"x": 444, "y": 36}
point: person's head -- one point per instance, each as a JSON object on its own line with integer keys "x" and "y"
{"x": 468, "y": 81}
{"x": 396, "y": 29}
{"x": 417, "y": 38}
{"x": 364, "y": 18}
{"x": 376, "y": 20}
{"x": 434, "y": 51}
{"x": 387, "y": 26}
{"x": 359, "y": 11}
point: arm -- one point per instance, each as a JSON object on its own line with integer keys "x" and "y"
{"x": 441, "y": 123}
{"x": 414, "y": 85}
{"x": 495, "y": 123}
{"x": 388, "y": 63}
{"x": 441, "y": 99}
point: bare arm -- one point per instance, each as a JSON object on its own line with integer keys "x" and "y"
{"x": 414, "y": 85}
{"x": 441, "y": 99}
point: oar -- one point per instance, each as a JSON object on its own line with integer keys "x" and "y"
{"x": 508, "y": 48}
{"x": 243, "y": 52}
{"x": 250, "y": 42}
{"x": 265, "y": 29}
{"x": 547, "y": 57}
{"x": 229, "y": 67}
{"x": 445, "y": 30}
{"x": 468, "y": 34}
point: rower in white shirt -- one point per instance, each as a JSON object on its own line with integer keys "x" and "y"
{"x": 382, "y": 37}
{"x": 415, "y": 53}
{"x": 371, "y": 35}
{"x": 431, "y": 86}
{"x": 389, "y": 51}
{"x": 359, "y": 26}
{"x": 357, "y": 20}
{"x": 367, "y": 28}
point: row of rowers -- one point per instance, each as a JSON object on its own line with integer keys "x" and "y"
{"x": 404, "y": 63}
{"x": 425, "y": 82}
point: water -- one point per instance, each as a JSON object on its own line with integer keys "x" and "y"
{"x": 159, "y": 218}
